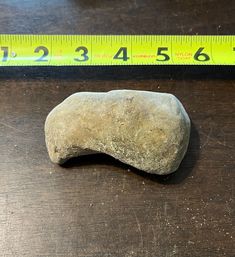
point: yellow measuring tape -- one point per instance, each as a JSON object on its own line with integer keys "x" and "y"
{"x": 61, "y": 50}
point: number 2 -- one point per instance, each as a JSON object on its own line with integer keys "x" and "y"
{"x": 45, "y": 53}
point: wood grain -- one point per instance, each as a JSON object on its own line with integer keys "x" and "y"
{"x": 95, "y": 206}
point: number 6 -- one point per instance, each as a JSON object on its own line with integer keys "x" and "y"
{"x": 204, "y": 57}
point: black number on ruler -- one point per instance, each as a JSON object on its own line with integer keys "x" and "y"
{"x": 121, "y": 54}
{"x": 45, "y": 53}
{"x": 84, "y": 52}
{"x": 201, "y": 57}
{"x": 5, "y": 53}
{"x": 164, "y": 55}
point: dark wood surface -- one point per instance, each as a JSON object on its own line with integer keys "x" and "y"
{"x": 95, "y": 206}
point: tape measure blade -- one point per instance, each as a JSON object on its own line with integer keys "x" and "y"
{"x": 79, "y": 50}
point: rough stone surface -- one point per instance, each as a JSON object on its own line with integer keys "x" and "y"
{"x": 147, "y": 130}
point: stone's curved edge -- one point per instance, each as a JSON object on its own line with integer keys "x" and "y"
{"x": 187, "y": 121}
{"x": 52, "y": 129}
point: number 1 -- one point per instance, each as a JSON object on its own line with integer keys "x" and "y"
{"x": 5, "y": 53}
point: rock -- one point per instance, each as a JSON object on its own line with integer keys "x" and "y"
{"x": 147, "y": 130}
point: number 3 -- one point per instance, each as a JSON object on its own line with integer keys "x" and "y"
{"x": 84, "y": 53}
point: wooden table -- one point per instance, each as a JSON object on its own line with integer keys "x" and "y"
{"x": 95, "y": 206}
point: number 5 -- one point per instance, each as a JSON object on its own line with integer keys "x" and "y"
{"x": 164, "y": 55}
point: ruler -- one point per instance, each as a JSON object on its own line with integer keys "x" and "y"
{"x": 77, "y": 50}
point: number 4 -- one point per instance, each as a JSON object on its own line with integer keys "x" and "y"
{"x": 121, "y": 54}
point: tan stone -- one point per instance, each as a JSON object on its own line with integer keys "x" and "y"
{"x": 147, "y": 130}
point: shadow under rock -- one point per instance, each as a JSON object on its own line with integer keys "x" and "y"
{"x": 185, "y": 169}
